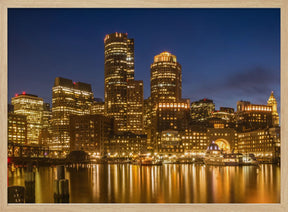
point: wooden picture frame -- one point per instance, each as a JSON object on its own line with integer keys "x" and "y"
{"x": 283, "y": 5}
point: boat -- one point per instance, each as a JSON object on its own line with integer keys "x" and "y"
{"x": 145, "y": 160}
{"x": 215, "y": 156}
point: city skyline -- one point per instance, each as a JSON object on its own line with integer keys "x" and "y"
{"x": 254, "y": 80}
{"x": 131, "y": 147}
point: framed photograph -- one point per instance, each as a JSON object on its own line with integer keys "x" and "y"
{"x": 142, "y": 105}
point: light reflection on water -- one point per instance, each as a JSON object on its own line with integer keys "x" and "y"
{"x": 173, "y": 183}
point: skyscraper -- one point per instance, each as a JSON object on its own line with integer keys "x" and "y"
{"x": 166, "y": 78}
{"x": 169, "y": 112}
{"x": 67, "y": 98}
{"x": 30, "y": 106}
{"x": 135, "y": 106}
{"x": 119, "y": 70}
{"x": 130, "y": 59}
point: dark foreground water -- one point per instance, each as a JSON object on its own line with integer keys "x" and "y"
{"x": 185, "y": 183}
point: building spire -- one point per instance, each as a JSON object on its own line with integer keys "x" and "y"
{"x": 273, "y": 103}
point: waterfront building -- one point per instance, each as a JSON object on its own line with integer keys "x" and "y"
{"x": 91, "y": 133}
{"x": 167, "y": 111}
{"x": 17, "y": 129}
{"x": 251, "y": 117}
{"x": 225, "y": 138}
{"x": 68, "y": 98}
{"x": 135, "y": 106}
{"x": 263, "y": 143}
{"x": 202, "y": 109}
{"x": 273, "y": 103}
{"x": 30, "y": 106}
{"x": 194, "y": 141}
{"x": 127, "y": 144}
{"x": 169, "y": 142}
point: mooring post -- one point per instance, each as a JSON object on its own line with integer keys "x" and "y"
{"x": 29, "y": 184}
{"x": 61, "y": 187}
{"x": 16, "y": 194}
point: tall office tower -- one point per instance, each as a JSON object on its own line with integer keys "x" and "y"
{"x": 273, "y": 103}
{"x": 135, "y": 106}
{"x": 130, "y": 59}
{"x": 119, "y": 69}
{"x": 67, "y": 98}
{"x": 202, "y": 109}
{"x": 32, "y": 107}
{"x": 166, "y": 78}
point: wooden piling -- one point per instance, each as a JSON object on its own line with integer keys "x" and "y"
{"x": 61, "y": 187}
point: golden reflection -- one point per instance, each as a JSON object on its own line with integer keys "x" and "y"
{"x": 169, "y": 183}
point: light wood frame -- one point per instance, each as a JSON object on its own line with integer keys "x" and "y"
{"x": 5, "y": 4}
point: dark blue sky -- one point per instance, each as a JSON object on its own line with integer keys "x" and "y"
{"x": 226, "y": 54}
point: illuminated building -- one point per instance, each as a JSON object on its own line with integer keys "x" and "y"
{"x": 171, "y": 116}
{"x": 10, "y": 108}
{"x": 202, "y": 109}
{"x": 169, "y": 142}
{"x": 97, "y": 107}
{"x": 91, "y": 133}
{"x": 251, "y": 117}
{"x": 167, "y": 111}
{"x": 227, "y": 109}
{"x": 135, "y": 106}
{"x": 147, "y": 121}
{"x": 17, "y": 128}
{"x": 30, "y": 106}
{"x": 123, "y": 94}
{"x": 47, "y": 114}
{"x": 147, "y": 116}
{"x": 194, "y": 141}
{"x": 119, "y": 63}
{"x": 273, "y": 103}
{"x": 263, "y": 143}
{"x": 225, "y": 138}
{"x": 166, "y": 78}
{"x": 127, "y": 144}
{"x": 130, "y": 59}
{"x": 226, "y": 114}
{"x": 68, "y": 98}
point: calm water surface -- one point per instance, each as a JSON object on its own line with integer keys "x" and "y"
{"x": 169, "y": 183}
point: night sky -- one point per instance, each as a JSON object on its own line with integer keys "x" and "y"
{"x": 226, "y": 54}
